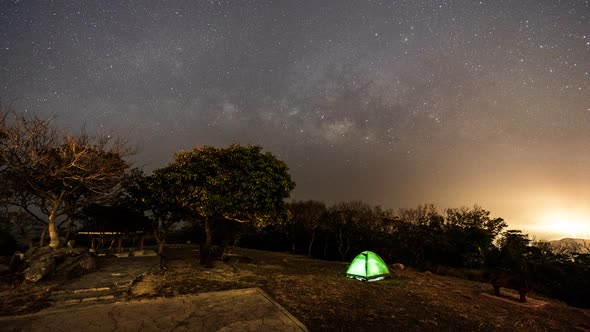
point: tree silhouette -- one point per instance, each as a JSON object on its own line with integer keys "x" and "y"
{"x": 307, "y": 215}
{"x": 44, "y": 167}
{"x": 237, "y": 183}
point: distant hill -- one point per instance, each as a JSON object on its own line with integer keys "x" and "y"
{"x": 569, "y": 244}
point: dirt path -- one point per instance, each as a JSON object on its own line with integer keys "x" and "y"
{"x": 236, "y": 310}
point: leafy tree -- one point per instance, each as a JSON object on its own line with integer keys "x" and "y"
{"x": 154, "y": 196}
{"x": 470, "y": 234}
{"x": 475, "y": 218}
{"x": 514, "y": 244}
{"x": 44, "y": 167}
{"x": 459, "y": 238}
{"x": 237, "y": 183}
{"x": 511, "y": 253}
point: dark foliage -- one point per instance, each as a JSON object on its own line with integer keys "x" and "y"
{"x": 464, "y": 239}
{"x": 8, "y": 244}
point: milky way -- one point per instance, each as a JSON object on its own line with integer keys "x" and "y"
{"x": 391, "y": 102}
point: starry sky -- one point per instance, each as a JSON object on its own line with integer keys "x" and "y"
{"x": 395, "y": 103}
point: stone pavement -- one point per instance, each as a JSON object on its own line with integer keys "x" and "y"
{"x": 109, "y": 283}
{"x": 248, "y": 309}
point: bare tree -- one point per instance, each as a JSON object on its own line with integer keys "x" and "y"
{"x": 423, "y": 214}
{"x": 352, "y": 221}
{"x": 308, "y": 215}
{"x": 58, "y": 173}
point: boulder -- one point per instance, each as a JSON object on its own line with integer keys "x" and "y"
{"x": 73, "y": 266}
{"x": 68, "y": 262}
{"x": 36, "y": 253}
{"x": 61, "y": 253}
{"x": 397, "y": 266}
{"x": 87, "y": 262}
{"x": 39, "y": 268}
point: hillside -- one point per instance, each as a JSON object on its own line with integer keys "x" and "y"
{"x": 318, "y": 294}
{"x": 569, "y": 244}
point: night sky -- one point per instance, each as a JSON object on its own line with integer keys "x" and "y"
{"x": 395, "y": 103}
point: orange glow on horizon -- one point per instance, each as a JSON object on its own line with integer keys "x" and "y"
{"x": 565, "y": 222}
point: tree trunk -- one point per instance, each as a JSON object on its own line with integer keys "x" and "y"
{"x": 163, "y": 259}
{"x": 53, "y": 235}
{"x": 161, "y": 247}
{"x": 311, "y": 243}
{"x": 347, "y": 250}
{"x": 68, "y": 233}
{"x": 160, "y": 240}
{"x": 42, "y": 238}
{"x": 292, "y": 239}
{"x": 205, "y": 248}
{"x": 340, "y": 245}
{"x": 208, "y": 233}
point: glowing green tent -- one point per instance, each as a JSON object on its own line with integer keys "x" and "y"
{"x": 367, "y": 266}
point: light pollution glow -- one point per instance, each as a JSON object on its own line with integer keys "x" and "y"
{"x": 568, "y": 223}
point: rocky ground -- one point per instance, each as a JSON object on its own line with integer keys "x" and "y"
{"x": 60, "y": 278}
{"x": 318, "y": 294}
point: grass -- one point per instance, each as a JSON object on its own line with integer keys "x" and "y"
{"x": 319, "y": 295}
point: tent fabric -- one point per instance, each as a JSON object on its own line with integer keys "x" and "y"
{"x": 367, "y": 266}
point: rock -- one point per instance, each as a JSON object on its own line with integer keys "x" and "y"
{"x": 397, "y": 266}
{"x": 87, "y": 262}
{"x": 428, "y": 273}
{"x": 35, "y": 253}
{"x": 73, "y": 266}
{"x": 4, "y": 268}
{"x": 62, "y": 252}
{"x": 69, "y": 262}
{"x": 40, "y": 268}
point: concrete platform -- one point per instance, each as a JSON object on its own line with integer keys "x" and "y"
{"x": 248, "y": 309}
